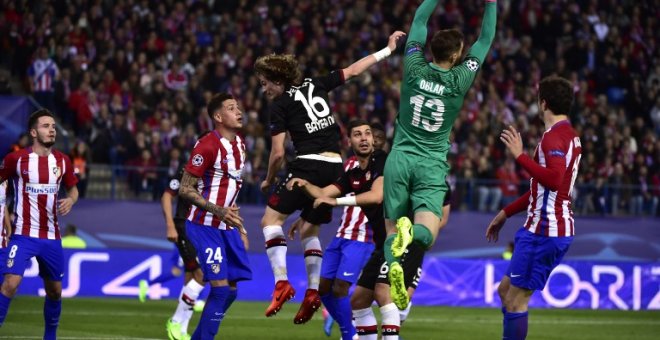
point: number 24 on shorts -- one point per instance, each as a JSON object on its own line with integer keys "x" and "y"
{"x": 213, "y": 255}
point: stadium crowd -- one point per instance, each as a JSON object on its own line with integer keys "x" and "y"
{"x": 130, "y": 79}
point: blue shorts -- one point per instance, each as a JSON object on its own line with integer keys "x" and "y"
{"x": 221, "y": 253}
{"x": 22, "y": 249}
{"x": 534, "y": 258}
{"x": 344, "y": 259}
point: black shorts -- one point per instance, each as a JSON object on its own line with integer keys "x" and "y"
{"x": 186, "y": 248}
{"x": 319, "y": 173}
{"x": 376, "y": 269}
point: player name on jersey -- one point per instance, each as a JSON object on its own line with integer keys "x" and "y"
{"x": 430, "y": 86}
{"x": 320, "y": 124}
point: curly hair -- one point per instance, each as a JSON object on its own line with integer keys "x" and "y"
{"x": 279, "y": 68}
{"x": 557, "y": 93}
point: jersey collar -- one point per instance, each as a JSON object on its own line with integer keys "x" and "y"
{"x": 437, "y": 68}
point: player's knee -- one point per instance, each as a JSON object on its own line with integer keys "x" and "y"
{"x": 340, "y": 288}
{"x": 360, "y": 301}
{"x": 8, "y": 290}
{"x": 325, "y": 286}
{"x": 382, "y": 296}
{"x": 53, "y": 293}
{"x": 502, "y": 290}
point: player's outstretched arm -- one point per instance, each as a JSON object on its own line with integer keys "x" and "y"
{"x": 550, "y": 176}
{"x": 166, "y": 205}
{"x": 188, "y": 191}
{"x": 418, "y": 29}
{"x": 371, "y": 197}
{"x": 361, "y": 65}
{"x": 313, "y": 190}
{"x": 487, "y": 35}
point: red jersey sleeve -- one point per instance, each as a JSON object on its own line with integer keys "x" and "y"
{"x": 202, "y": 157}
{"x": 518, "y": 205}
{"x": 68, "y": 178}
{"x": 554, "y": 152}
{"x": 8, "y": 166}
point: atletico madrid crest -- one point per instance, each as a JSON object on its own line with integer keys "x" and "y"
{"x": 57, "y": 171}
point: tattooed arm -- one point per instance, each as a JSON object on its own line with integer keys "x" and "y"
{"x": 188, "y": 191}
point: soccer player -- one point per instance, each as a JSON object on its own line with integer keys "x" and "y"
{"x": 5, "y": 227}
{"x": 374, "y": 285}
{"x": 300, "y": 107}
{"x": 431, "y": 98}
{"x": 349, "y": 250}
{"x": 177, "y": 325}
{"x": 211, "y": 182}
{"x": 548, "y": 231}
{"x": 353, "y": 218}
{"x": 37, "y": 172}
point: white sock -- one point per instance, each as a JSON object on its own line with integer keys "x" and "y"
{"x": 184, "y": 309}
{"x": 403, "y": 314}
{"x": 313, "y": 258}
{"x": 276, "y": 250}
{"x": 391, "y": 322}
{"x": 365, "y": 323}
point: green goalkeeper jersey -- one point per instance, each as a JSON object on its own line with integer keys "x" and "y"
{"x": 432, "y": 97}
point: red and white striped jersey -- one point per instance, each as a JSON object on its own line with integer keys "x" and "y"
{"x": 36, "y": 184}
{"x": 219, "y": 164}
{"x": 549, "y": 212}
{"x": 353, "y": 224}
{"x": 43, "y": 73}
{"x": 3, "y": 204}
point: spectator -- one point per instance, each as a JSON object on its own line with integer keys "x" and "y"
{"x": 43, "y": 73}
{"x": 143, "y": 175}
{"x": 490, "y": 193}
{"x": 130, "y": 58}
{"x": 508, "y": 181}
{"x": 80, "y": 157}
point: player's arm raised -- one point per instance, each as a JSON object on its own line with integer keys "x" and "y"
{"x": 188, "y": 191}
{"x": 550, "y": 176}
{"x": 488, "y": 25}
{"x": 274, "y": 161}
{"x": 166, "y": 205}
{"x": 418, "y": 29}
{"x": 361, "y": 65}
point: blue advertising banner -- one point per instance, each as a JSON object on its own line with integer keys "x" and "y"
{"x": 13, "y": 120}
{"x": 448, "y": 282}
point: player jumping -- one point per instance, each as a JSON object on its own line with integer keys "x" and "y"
{"x": 301, "y": 108}
{"x": 431, "y": 98}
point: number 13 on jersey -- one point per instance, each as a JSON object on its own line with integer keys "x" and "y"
{"x": 436, "y": 107}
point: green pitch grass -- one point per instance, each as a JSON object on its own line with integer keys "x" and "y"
{"x": 84, "y": 318}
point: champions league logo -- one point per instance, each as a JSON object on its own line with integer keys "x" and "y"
{"x": 472, "y": 65}
{"x": 215, "y": 268}
{"x": 10, "y": 263}
{"x": 197, "y": 160}
{"x": 174, "y": 184}
{"x": 57, "y": 171}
